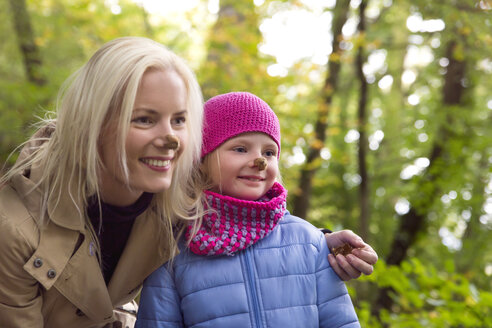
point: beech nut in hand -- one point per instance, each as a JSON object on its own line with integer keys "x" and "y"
{"x": 344, "y": 249}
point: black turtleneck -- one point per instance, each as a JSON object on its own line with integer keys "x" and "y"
{"x": 115, "y": 228}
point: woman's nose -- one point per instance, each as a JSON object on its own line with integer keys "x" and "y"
{"x": 171, "y": 142}
{"x": 167, "y": 141}
{"x": 164, "y": 136}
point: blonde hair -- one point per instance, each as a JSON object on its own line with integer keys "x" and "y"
{"x": 103, "y": 92}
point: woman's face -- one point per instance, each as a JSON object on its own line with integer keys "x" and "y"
{"x": 233, "y": 170}
{"x": 159, "y": 110}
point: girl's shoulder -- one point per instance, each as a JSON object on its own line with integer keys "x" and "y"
{"x": 293, "y": 230}
{"x": 298, "y": 225}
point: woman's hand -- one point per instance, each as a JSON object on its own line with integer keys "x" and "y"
{"x": 361, "y": 260}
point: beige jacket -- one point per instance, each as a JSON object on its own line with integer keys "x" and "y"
{"x": 49, "y": 277}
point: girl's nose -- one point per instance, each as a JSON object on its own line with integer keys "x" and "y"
{"x": 261, "y": 163}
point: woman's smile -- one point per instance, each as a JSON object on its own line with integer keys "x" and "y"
{"x": 158, "y": 164}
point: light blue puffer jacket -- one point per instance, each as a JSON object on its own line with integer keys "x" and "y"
{"x": 284, "y": 280}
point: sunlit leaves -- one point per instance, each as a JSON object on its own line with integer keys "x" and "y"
{"x": 426, "y": 296}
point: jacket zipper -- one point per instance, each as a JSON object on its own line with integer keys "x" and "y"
{"x": 252, "y": 286}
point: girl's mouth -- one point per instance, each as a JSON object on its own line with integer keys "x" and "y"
{"x": 251, "y": 178}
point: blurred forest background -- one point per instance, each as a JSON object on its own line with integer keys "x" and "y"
{"x": 386, "y": 112}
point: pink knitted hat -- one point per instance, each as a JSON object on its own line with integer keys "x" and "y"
{"x": 233, "y": 113}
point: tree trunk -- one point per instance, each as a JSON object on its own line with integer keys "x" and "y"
{"x": 362, "y": 127}
{"x": 25, "y": 39}
{"x": 149, "y": 31}
{"x": 413, "y": 222}
{"x": 301, "y": 199}
{"x": 468, "y": 259}
{"x": 232, "y": 51}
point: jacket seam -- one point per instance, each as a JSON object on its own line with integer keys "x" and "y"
{"x": 289, "y": 275}
{"x": 157, "y": 320}
{"x": 289, "y": 245}
{"x": 222, "y": 316}
{"x": 349, "y": 323}
{"x": 290, "y": 307}
{"x": 215, "y": 286}
{"x": 6, "y": 218}
{"x": 159, "y": 286}
{"x": 331, "y": 299}
{"x": 297, "y": 274}
{"x": 20, "y": 231}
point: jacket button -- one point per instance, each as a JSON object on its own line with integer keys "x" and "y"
{"x": 79, "y": 313}
{"x": 38, "y": 263}
{"x": 51, "y": 273}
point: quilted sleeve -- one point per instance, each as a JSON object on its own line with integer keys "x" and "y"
{"x": 159, "y": 301}
{"x": 335, "y": 307}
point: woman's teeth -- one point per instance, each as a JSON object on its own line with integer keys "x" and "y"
{"x": 156, "y": 162}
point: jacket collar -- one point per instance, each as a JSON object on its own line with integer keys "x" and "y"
{"x": 146, "y": 250}
{"x": 62, "y": 211}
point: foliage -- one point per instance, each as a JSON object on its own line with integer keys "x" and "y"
{"x": 427, "y": 297}
{"x": 232, "y": 53}
{"x": 445, "y": 280}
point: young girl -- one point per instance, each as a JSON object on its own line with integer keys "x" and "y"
{"x": 85, "y": 213}
{"x": 250, "y": 263}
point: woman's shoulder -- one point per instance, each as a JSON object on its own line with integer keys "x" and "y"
{"x": 18, "y": 230}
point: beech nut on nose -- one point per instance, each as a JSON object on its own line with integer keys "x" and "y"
{"x": 261, "y": 163}
{"x": 172, "y": 142}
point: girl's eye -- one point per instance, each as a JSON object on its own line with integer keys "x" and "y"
{"x": 270, "y": 153}
{"x": 240, "y": 149}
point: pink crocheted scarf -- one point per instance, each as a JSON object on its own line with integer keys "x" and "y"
{"x": 236, "y": 224}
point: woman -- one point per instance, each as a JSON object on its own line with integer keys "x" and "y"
{"x": 126, "y": 142}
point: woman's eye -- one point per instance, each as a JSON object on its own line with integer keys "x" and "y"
{"x": 179, "y": 120}
{"x": 144, "y": 120}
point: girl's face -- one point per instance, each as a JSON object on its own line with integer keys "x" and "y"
{"x": 159, "y": 111}
{"x": 233, "y": 171}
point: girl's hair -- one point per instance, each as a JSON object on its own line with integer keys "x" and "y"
{"x": 102, "y": 93}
